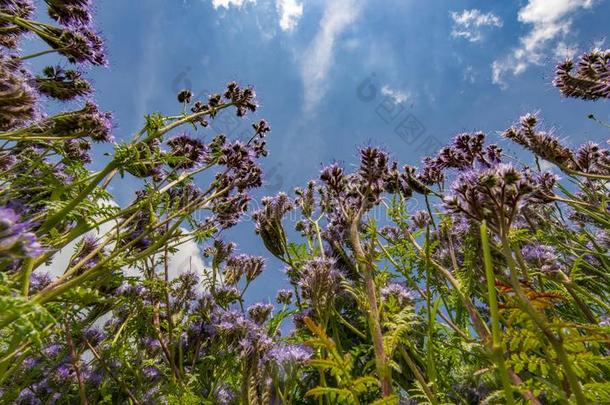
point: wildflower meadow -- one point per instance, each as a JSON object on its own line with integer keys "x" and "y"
{"x": 495, "y": 290}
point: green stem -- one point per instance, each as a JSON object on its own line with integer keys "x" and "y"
{"x": 37, "y": 54}
{"x": 540, "y": 321}
{"x": 497, "y": 346}
{"x": 60, "y": 215}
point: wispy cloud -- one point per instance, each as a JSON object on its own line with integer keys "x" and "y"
{"x": 290, "y": 12}
{"x": 397, "y": 96}
{"x": 469, "y": 24}
{"x": 550, "y": 20}
{"x": 228, "y": 3}
{"x": 317, "y": 60}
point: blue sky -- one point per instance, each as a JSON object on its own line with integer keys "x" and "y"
{"x": 334, "y": 75}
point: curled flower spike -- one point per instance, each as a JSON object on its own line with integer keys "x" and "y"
{"x": 250, "y": 266}
{"x": 185, "y": 96}
{"x": 421, "y": 219}
{"x": 71, "y": 13}
{"x": 591, "y": 81}
{"x": 62, "y": 84}
{"x": 16, "y": 241}
{"x": 496, "y": 194}
{"x": 86, "y": 122}
{"x": 186, "y": 152}
{"x": 260, "y": 312}
{"x": 243, "y": 99}
{"x": 541, "y": 143}
{"x": 17, "y": 97}
{"x": 284, "y": 297}
{"x": 320, "y": 282}
{"x": 77, "y": 150}
{"x": 9, "y": 32}
{"x": 79, "y": 45}
{"x": 269, "y": 222}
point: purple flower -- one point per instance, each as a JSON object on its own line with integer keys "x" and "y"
{"x": 94, "y": 335}
{"x": 15, "y": 239}
{"x": 72, "y": 13}
{"x": 224, "y": 395}
{"x": 284, "y": 297}
{"x": 10, "y": 33}
{"x": 62, "y": 373}
{"x": 251, "y": 266}
{"x": 320, "y": 282}
{"x": 284, "y": 354}
{"x": 421, "y": 219}
{"x": 260, "y": 312}
{"x": 394, "y": 292}
{"x": 269, "y": 222}
{"x": 605, "y": 322}
{"x": 541, "y": 143}
{"x": 38, "y": 281}
{"x": 542, "y": 257}
{"x": 79, "y": 44}
{"x": 151, "y": 373}
{"x": 19, "y": 98}
{"x": 591, "y": 80}
{"x": 186, "y": 152}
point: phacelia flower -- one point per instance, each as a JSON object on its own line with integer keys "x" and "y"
{"x": 269, "y": 222}
{"x": 260, "y": 312}
{"x": 591, "y": 81}
{"x": 541, "y": 257}
{"x": 87, "y": 122}
{"x": 72, "y": 13}
{"x": 398, "y": 293}
{"x": 186, "y": 152}
{"x": 320, "y": 282}
{"x": 10, "y": 32}
{"x": 284, "y": 297}
{"x": 289, "y": 355}
{"x": 19, "y": 98}
{"x": 16, "y": 240}
{"x": 541, "y": 143}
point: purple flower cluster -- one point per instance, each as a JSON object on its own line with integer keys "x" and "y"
{"x": 71, "y": 13}
{"x": 269, "y": 222}
{"x": 260, "y": 312}
{"x": 320, "y": 282}
{"x": 243, "y": 335}
{"x": 541, "y": 143}
{"x": 16, "y": 240}
{"x": 496, "y": 194}
{"x": 591, "y": 81}
{"x": 186, "y": 152}
{"x": 10, "y": 32}
{"x": 397, "y": 294}
{"x": 19, "y": 98}
{"x": 541, "y": 257}
{"x": 284, "y": 297}
{"x": 287, "y": 355}
{"x": 240, "y": 265}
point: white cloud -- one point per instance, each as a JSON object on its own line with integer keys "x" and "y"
{"x": 397, "y": 96}
{"x": 318, "y": 57}
{"x": 565, "y": 51}
{"x": 228, "y": 3}
{"x": 469, "y": 24}
{"x": 290, "y": 13}
{"x": 550, "y": 20}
